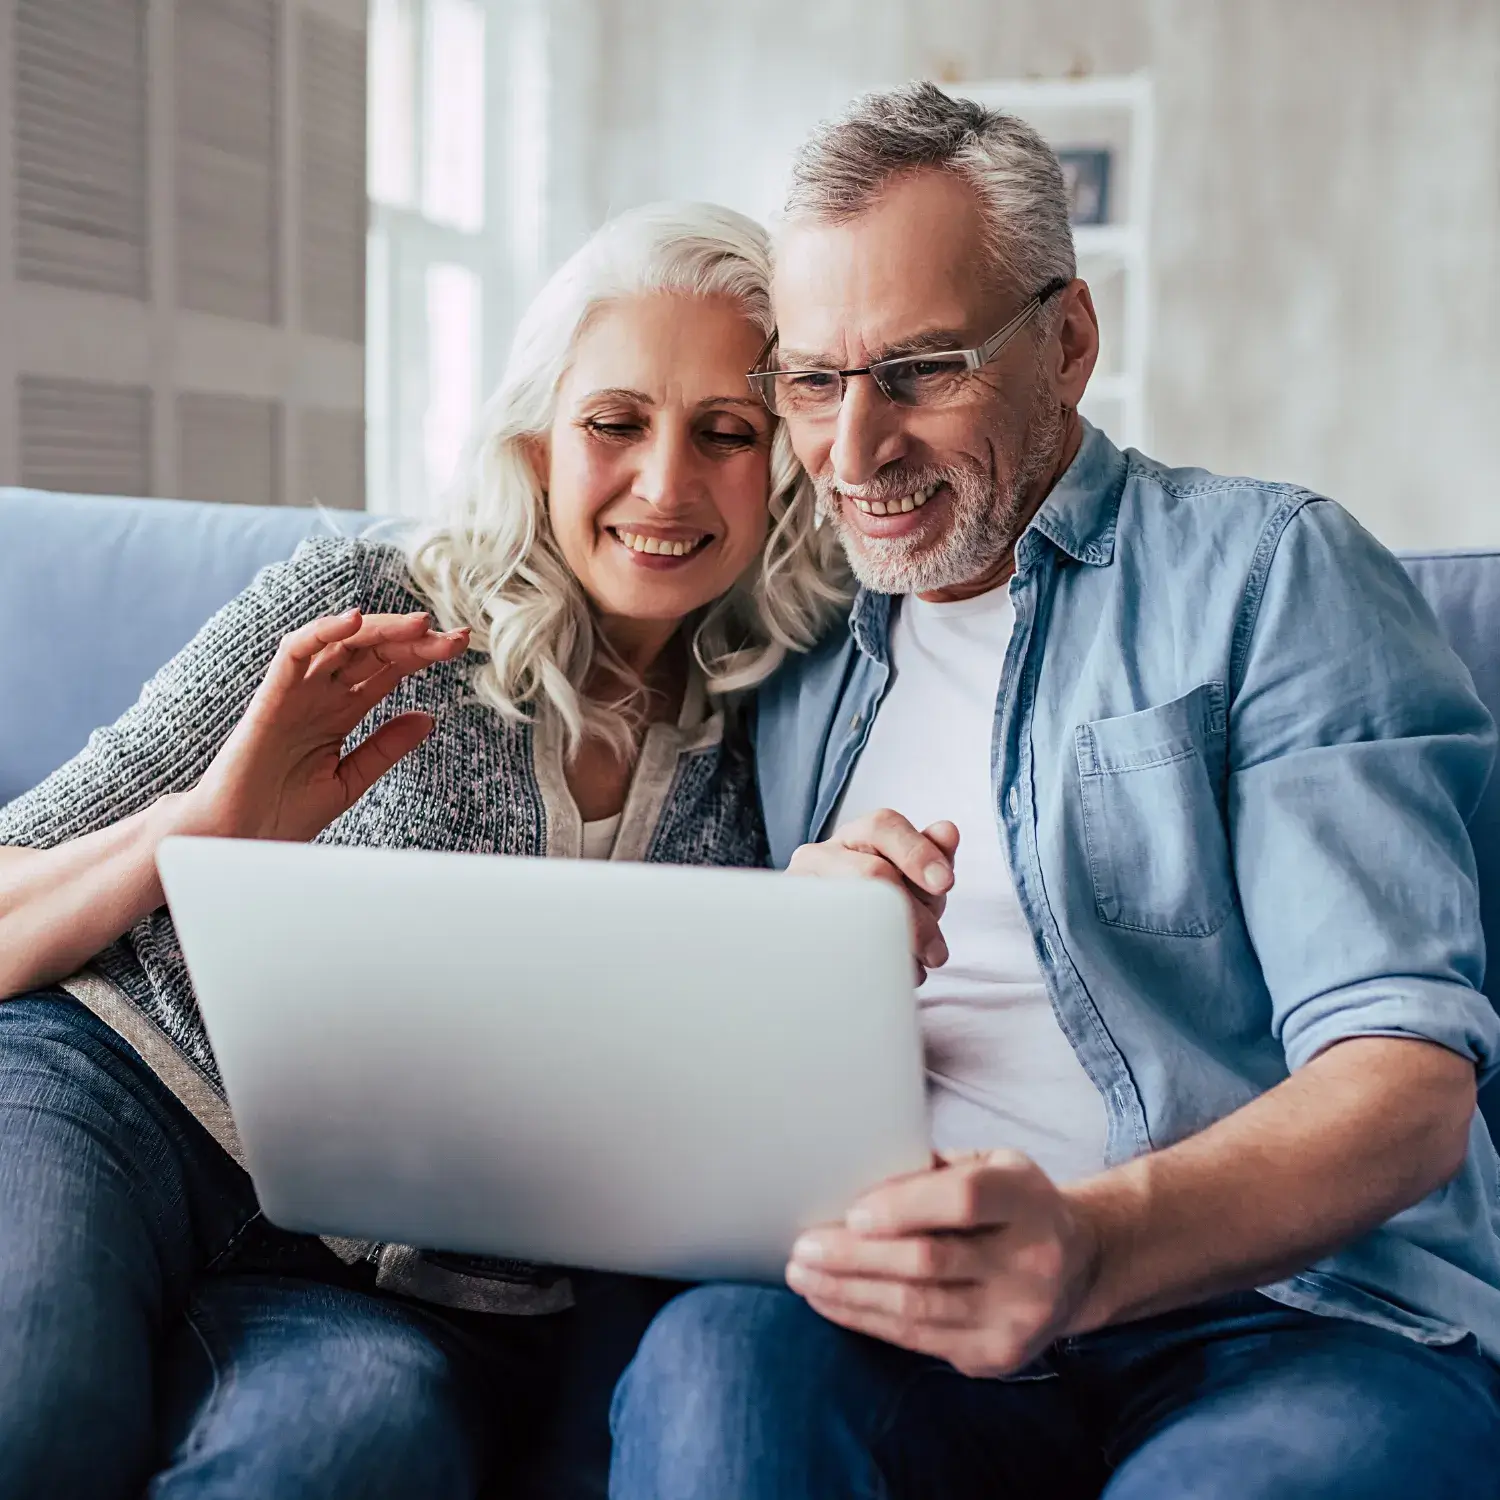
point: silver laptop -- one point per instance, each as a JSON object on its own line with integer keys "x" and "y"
{"x": 620, "y": 1066}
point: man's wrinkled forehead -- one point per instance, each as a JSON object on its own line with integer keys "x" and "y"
{"x": 911, "y": 265}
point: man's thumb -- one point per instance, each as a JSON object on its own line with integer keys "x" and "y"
{"x": 945, "y": 835}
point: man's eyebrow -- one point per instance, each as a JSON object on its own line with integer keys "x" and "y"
{"x": 933, "y": 341}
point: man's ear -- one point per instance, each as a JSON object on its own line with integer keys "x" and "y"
{"x": 1077, "y": 343}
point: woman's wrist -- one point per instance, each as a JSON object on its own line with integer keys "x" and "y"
{"x": 182, "y": 814}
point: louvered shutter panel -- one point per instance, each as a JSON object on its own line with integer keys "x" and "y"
{"x": 80, "y": 144}
{"x": 228, "y": 169}
{"x": 333, "y": 201}
{"x": 78, "y": 435}
{"x": 333, "y": 460}
{"x": 227, "y": 449}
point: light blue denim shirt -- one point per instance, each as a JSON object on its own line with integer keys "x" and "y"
{"x": 1233, "y": 763}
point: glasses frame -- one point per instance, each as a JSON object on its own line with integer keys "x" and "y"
{"x": 763, "y": 381}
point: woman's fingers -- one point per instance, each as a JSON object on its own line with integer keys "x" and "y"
{"x": 376, "y": 632}
{"x": 303, "y": 644}
{"x": 350, "y": 666}
{"x": 375, "y": 755}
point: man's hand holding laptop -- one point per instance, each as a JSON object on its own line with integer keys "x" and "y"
{"x": 980, "y": 1260}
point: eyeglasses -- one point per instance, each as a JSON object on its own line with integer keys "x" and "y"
{"x": 911, "y": 380}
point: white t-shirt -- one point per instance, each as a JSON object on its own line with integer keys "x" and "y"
{"x": 1001, "y": 1073}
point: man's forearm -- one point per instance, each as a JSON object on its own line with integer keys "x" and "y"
{"x": 1363, "y": 1131}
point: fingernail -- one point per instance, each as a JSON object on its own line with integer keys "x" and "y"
{"x": 796, "y": 1274}
{"x": 808, "y": 1249}
{"x": 860, "y": 1220}
{"x": 935, "y": 877}
{"x": 935, "y": 955}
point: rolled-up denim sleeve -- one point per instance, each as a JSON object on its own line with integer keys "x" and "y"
{"x": 1358, "y": 752}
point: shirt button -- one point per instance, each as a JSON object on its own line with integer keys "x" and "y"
{"x": 1013, "y": 802}
{"x": 1046, "y": 948}
{"x": 856, "y": 721}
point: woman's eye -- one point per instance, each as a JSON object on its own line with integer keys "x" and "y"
{"x": 722, "y": 439}
{"x": 612, "y": 429}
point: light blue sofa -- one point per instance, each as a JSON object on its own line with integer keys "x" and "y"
{"x": 97, "y": 592}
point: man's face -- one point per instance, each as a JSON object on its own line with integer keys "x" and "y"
{"x": 955, "y": 481}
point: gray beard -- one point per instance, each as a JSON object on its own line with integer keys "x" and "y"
{"x": 985, "y": 519}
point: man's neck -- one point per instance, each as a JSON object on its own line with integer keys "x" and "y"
{"x": 1001, "y": 572}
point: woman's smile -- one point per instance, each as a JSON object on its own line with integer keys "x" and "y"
{"x": 651, "y": 545}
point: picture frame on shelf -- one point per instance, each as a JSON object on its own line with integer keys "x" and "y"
{"x": 1086, "y": 174}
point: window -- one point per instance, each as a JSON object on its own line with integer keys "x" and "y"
{"x": 427, "y": 256}
{"x": 453, "y": 172}
{"x": 393, "y": 102}
{"x": 453, "y": 330}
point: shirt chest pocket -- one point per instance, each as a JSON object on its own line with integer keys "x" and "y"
{"x": 1151, "y": 784}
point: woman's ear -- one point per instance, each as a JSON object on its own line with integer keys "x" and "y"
{"x": 537, "y": 451}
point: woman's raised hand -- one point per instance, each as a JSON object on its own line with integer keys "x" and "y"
{"x": 282, "y": 773}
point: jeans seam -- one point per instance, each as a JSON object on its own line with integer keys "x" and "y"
{"x": 234, "y": 1239}
{"x": 218, "y": 1391}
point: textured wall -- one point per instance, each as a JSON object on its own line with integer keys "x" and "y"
{"x": 1326, "y": 218}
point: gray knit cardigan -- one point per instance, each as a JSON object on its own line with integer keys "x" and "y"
{"x": 479, "y": 784}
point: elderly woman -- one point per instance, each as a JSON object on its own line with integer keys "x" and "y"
{"x": 551, "y": 670}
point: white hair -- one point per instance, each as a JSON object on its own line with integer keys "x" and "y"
{"x": 847, "y": 162}
{"x": 491, "y": 561}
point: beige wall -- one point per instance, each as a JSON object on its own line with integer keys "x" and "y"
{"x": 1326, "y": 215}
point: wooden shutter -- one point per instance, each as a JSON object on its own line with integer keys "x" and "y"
{"x": 80, "y": 144}
{"x": 333, "y": 460}
{"x": 81, "y": 436}
{"x": 227, "y": 449}
{"x": 228, "y": 169}
{"x": 333, "y": 202}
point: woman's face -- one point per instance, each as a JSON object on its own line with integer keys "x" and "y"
{"x": 657, "y": 466}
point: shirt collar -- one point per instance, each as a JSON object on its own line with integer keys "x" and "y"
{"x": 1078, "y": 517}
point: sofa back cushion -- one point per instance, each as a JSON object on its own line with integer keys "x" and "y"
{"x": 96, "y": 593}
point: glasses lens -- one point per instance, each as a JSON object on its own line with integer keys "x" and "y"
{"x": 798, "y": 393}
{"x": 921, "y": 381}
{"x": 805, "y": 393}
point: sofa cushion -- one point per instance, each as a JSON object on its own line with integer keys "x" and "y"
{"x": 96, "y": 593}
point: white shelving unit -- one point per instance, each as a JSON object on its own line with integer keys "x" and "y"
{"x": 1114, "y": 257}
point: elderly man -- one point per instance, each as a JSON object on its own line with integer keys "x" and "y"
{"x": 1175, "y": 770}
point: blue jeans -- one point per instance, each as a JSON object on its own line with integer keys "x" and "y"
{"x": 744, "y": 1393}
{"x": 138, "y": 1354}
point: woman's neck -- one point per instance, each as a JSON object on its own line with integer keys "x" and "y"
{"x": 641, "y": 652}
{"x": 599, "y": 774}
{"x": 639, "y": 644}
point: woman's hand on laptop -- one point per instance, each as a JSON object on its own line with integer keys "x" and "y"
{"x": 885, "y": 846}
{"x": 282, "y": 773}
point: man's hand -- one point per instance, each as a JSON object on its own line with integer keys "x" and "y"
{"x": 884, "y": 846}
{"x": 980, "y": 1261}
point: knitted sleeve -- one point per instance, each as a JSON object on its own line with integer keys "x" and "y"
{"x": 164, "y": 742}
